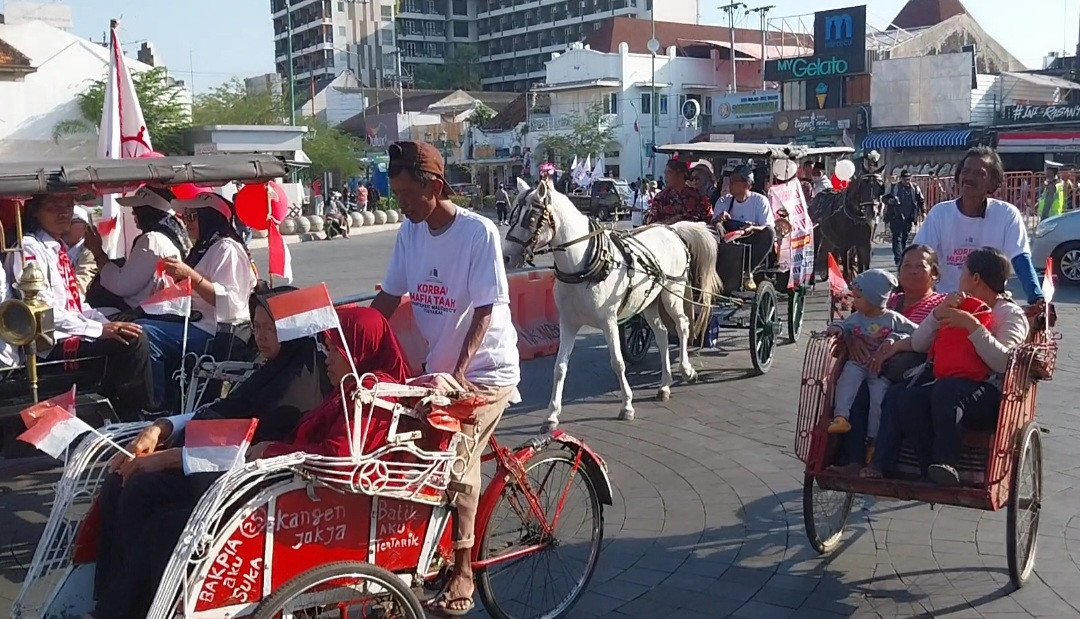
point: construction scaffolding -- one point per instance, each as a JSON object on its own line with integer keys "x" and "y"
{"x": 795, "y": 31}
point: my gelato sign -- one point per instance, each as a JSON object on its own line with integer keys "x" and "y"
{"x": 1039, "y": 114}
{"x": 839, "y": 48}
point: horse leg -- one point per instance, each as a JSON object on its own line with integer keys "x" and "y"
{"x": 611, "y": 334}
{"x": 673, "y": 307}
{"x": 567, "y": 338}
{"x": 660, "y": 332}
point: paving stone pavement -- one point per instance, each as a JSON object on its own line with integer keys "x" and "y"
{"x": 707, "y": 520}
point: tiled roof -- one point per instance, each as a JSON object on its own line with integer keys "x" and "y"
{"x": 923, "y": 13}
{"x": 637, "y": 32}
{"x": 510, "y": 117}
{"x": 12, "y": 59}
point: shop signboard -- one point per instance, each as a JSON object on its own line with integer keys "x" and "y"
{"x": 745, "y": 108}
{"x": 808, "y": 123}
{"x": 839, "y": 48}
{"x": 1039, "y": 114}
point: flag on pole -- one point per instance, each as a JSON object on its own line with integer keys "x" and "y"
{"x": 303, "y": 313}
{"x": 172, "y": 299}
{"x": 122, "y": 135}
{"x": 1048, "y": 281}
{"x": 837, "y": 284}
{"x": 574, "y": 166}
{"x": 599, "y": 170}
{"x": 279, "y": 257}
{"x": 54, "y": 429}
{"x": 65, "y": 401}
{"x": 216, "y": 445}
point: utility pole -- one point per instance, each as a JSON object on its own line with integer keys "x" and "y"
{"x": 654, "y": 47}
{"x": 289, "y": 61}
{"x": 763, "y": 11}
{"x": 730, "y": 10}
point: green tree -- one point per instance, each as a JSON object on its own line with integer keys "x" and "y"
{"x": 482, "y": 114}
{"x": 162, "y": 102}
{"x": 231, "y": 104}
{"x": 589, "y": 134}
{"x": 460, "y": 72}
{"x": 331, "y": 150}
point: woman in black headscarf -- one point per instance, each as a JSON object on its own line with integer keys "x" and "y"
{"x": 292, "y": 381}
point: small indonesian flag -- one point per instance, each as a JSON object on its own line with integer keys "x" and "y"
{"x": 1048, "y": 281}
{"x": 173, "y": 298}
{"x": 54, "y": 429}
{"x": 216, "y": 445}
{"x": 278, "y": 253}
{"x": 105, "y": 227}
{"x": 303, "y": 313}
{"x": 837, "y": 284}
{"x": 65, "y": 401}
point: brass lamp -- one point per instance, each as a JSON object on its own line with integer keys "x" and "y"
{"x": 28, "y": 322}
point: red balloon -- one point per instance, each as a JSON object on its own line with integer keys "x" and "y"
{"x": 187, "y": 191}
{"x": 838, "y": 184}
{"x": 150, "y": 155}
{"x": 257, "y": 203}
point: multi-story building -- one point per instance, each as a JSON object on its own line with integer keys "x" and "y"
{"x": 514, "y": 37}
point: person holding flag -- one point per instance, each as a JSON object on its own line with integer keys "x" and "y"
{"x": 80, "y": 330}
{"x": 222, "y": 278}
{"x": 450, "y": 262}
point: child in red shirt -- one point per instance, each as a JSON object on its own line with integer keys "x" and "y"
{"x": 953, "y": 354}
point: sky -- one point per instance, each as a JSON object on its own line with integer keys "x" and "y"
{"x": 205, "y": 42}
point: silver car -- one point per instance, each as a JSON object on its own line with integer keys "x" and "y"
{"x": 1059, "y": 238}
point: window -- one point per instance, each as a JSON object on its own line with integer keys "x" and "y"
{"x": 707, "y": 107}
{"x": 387, "y": 11}
{"x": 461, "y": 29}
{"x": 794, "y": 95}
{"x": 611, "y": 103}
{"x": 663, "y": 104}
{"x": 646, "y": 103}
{"x": 613, "y": 171}
{"x": 341, "y": 7}
{"x": 341, "y": 30}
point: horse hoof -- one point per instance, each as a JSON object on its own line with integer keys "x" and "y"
{"x": 627, "y": 414}
{"x": 663, "y": 395}
{"x": 690, "y": 376}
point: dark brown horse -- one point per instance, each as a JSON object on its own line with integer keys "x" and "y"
{"x": 844, "y": 224}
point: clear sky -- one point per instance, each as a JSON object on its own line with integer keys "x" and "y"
{"x": 209, "y": 41}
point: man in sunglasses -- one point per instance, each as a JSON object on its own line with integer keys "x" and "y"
{"x": 450, "y": 262}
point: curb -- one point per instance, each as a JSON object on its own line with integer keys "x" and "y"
{"x": 291, "y": 239}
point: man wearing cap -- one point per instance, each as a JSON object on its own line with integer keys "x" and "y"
{"x": 450, "y": 262}
{"x": 1052, "y": 197}
{"x": 86, "y": 268}
{"x": 124, "y": 284}
{"x": 902, "y": 211}
{"x": 704, "y": 179}
{"x": 749, "y": 212}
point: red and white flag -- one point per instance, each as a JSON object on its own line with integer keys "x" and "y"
{"x": 837, "y": 284}
{"x": 215, "y": 445}
{"x": 122, "y": 135}
{"x": 1048, "y": 281}
{"x": 173, "y": 298}
{"x": 66, "y": 401}
{"x": 54, "y": 429}
{"x": 303, "y": 313}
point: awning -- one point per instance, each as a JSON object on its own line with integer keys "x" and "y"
{"x": 1039, "y": 142}
{"x": 945, "y": 138}
{"x": 604, "y": 82}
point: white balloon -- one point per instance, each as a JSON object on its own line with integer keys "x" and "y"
{"x": 845, "y": 170}
{"x": 784, "y": 170}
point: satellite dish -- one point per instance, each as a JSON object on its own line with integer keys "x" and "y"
{"x": 654, "y": 46}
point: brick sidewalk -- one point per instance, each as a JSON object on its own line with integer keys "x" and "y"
{"x": 707, "y": 520}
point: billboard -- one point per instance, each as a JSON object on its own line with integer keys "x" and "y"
{"x": 839, "y": 48}
{"x": 1039, "y": 114}
{"x": 808, "y": 123}
{"x": 922, "y": 91}
{"x": 741, "y": 108}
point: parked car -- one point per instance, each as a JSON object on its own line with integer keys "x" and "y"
{"x": 1059, "y": 238}
{"x": 608, "y": 199}
{"x": 470, "y": 191}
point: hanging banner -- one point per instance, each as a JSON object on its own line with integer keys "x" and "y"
{"x": 797, "y": 248}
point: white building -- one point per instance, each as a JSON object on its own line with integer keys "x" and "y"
{"x": 58, "y": 67}
{"x": 621, "y": 82}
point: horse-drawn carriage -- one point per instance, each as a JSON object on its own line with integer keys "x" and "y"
{"x": 301, "y": 534}
{"x": 755, "y": 309}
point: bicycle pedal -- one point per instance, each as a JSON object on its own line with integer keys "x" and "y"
{"x": 459, "y": 487}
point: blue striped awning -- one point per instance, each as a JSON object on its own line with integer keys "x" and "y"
{"x": 943, "y": 138}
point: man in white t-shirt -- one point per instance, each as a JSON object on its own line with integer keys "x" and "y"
{"x": 955, "y": 228}
{"x": 750, "y": 212}
{"x": 450, "y": 263}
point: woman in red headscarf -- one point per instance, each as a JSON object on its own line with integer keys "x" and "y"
{"x": 374, "y": 350}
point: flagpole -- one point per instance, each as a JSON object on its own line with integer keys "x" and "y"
{"x": 183, "y": 356}
{"x": 108, "y": 440}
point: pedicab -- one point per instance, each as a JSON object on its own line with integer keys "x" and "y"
{"x": 754, "y": 309}
{"x": 998, "y": 470}
{"x": 27, "y": 325}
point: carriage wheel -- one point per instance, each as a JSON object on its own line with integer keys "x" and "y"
{"x": 764, "y": 327}
{"x": 544, "y": 584}
{"x": 343, "y": 589}
{"x": 635, "y": 336}
{"x": 795, "y": 308}
{"x": 825, "y": 512}
{"x": 1025, "y": 503}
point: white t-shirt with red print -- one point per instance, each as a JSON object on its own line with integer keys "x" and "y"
{"x": 954, "y": 235}
{"x": 447, "y": 275}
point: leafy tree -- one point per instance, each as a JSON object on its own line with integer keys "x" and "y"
{"x": 231, "y": 104}
{"x": 461, "y": 71}
{"x": 331, "y": 150}
{"x": 589, "y": 134}
{"x": 482, "y": 114}
{"x": 162, "y": 102}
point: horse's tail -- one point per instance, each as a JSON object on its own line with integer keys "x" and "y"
{"x": 703, "y": 278}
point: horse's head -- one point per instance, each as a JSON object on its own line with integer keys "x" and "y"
{"x": 863, "y": 195}
{"x": 531, "y": 225}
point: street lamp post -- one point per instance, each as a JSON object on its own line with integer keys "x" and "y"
{"x": 654, "y": 47}
{"x": 289, "y": 61}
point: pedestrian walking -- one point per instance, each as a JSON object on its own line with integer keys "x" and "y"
{"x": 902, "y": 212}
{"x": 502, "y": 205}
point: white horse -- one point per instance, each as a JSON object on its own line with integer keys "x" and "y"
{"x": 606, "y": 277}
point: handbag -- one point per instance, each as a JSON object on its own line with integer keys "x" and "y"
{"x": 898, "y": 366}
